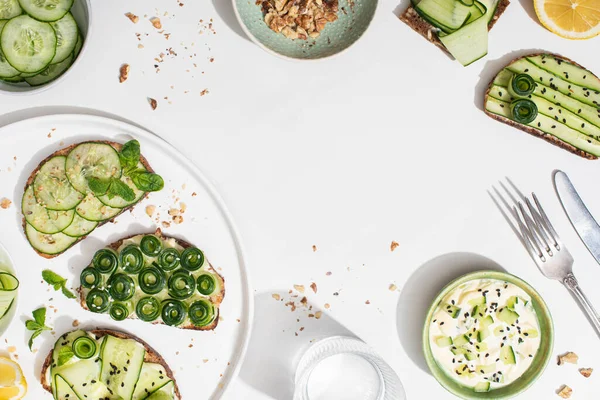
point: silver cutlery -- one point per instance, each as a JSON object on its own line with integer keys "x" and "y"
{"x": 543, "y": 244}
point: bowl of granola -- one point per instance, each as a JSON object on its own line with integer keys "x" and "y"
{"x": 305, "y": 29}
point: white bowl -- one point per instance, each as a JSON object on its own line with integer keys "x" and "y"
{"x": 7, "y": 264}
{"x": 82, "y": 11}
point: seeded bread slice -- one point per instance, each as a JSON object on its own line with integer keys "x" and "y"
{"x": 152, "y": 356}
{"x": 65, "y": 152}
{"x": 412, "y": 18}
{"x": 531, "y": 130}
{"x": 215, "y": 298}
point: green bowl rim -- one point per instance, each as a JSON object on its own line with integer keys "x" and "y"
{"x": 275, "y": 53}
{"x": 436, "y": 370}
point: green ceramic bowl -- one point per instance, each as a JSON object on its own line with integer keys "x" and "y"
{"x": 354, "y": 18}
{"x": 537, "y": 366}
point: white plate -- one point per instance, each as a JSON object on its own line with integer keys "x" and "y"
{"x": 204, "y": 363}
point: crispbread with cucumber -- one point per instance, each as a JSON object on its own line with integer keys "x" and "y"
{"x": 459, "y": 27}
{"x": 107, "y": 364}
{"x": 81, "y": 187}
{"x": 549, "y": 96}
{"x": 155, "y": 278}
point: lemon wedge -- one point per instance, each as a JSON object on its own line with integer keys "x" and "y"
{"x": 571, "y": 19}
{"x": 13, "y": 385}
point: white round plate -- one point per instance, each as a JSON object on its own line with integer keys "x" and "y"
{"x": 204, "y": 363}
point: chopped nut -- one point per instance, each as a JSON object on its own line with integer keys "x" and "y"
{"x": 76, "y": 323}
{"x": 178, "y": 219}
{"x": 156, "y": 22}
{"x": 5, "y": 203}
{"x": 182, "y": 207}
{"x": 587, "y": 372}
{"x": 298, "y": 19}
{"x": 166, "y": 224}
{"x": 276, "y": 296}
{"x": 299, "y": 288}
{"x": 393, "y": 246}
{"x": 153, "y": 103}
{"x": 174, "y": 212}
{"x": 565, "y": 392}
{"x": 327, "y": 306}
{"x": 318, "y": 314}
{"x": 134, "y": 18}
{"x": 150, "y": 210}
{"x": 569, "y": 357}
{"x": 313, "y": 286}
{"x": 367, "y": 302}
{"x": 314, "y": 248}
{"x": 393, "y": 287}
{"x": 124, "y": 71}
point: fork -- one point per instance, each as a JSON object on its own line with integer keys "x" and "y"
{"x": 544, "y": 245}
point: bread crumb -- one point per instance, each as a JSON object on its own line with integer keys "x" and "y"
{"x": 75, "y": 323}
{"x": 565, "y": 392}
{"x": 5, "y": 203}
{"x": 204, "y": 92}
{"x": 156, "y": 22}
{"x": 393, "y": 287}
{"x": 367, "y": 302}
{"x": 140, "y": 46}
{"x": 327, "y": 306}
{"x": 153, "y": 103}
{"x": 150, "y": 210}
{"x": 299, "y": 288}
{"x": 328, "y": 273}
{"x": 123, "y": 73}
{"x": 569, "y": 357}
{"x": 314, "y": 248}
{"x": 178, "y": 219}
{"x": 313, "y": 286}
{"x": 318, "y": 314}
{"x": 166, "y": 224}
{"x": 394, "y": 245}
{"x": 132, "y": 17}
{"x": 587, "y": 372}
{"x": 276, "y": 296}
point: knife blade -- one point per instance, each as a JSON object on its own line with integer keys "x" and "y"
{"x": 582, "y": 220}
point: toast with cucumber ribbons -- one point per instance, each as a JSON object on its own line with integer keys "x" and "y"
{"x": 551, "y": 97}
{"x": 459, "y": 27}
{"x": 81, "y": 187}
{"x": 39, "y": 40}
{"x": 106, "y": 364}
{"x": 155, "y": 278}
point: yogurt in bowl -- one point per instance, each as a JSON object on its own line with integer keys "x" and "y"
{"x": 488, "y": 335}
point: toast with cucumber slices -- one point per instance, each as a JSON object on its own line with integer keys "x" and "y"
{"x": 106, "y": 364}
{"x": 81, "y": 187}
{"x": 155, "y": 278}
{"x": 551, "y": 97}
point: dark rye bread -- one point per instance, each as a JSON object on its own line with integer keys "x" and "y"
{"x": 65, "y": 152}
{"x": 412, "y": 18}
{"x": 151, "y": 356}
{"x": 531, "y": 130}
{"x": 216, "y": 298}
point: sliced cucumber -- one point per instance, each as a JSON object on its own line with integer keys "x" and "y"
{"x": 80, "y": 227}
{"x": 52, "y": 72}
{"x": 507, "y": 355}
{"x": 469, "y": 43}
{"x": 14, "y": 79}
{"x": 93, "y": 210}
{"x": 67, "y": 35}
{"x": 167, "y": 392}
{"x": 9, "y": 9}
{"x": 83, "y": 376}
{"x": 52, "y": 188}
{"x": 122, "y": 361}
{"x": 78, "y": 46}
{"x": 27, "y": 44}
{"x": 448, "y": 15}
{"x": 46, "y": 10}
{"x": 8, "y": 291}
{"x": 6, "y": 70}
{"x": 48, "y": 244}
{"x": 63, "y": 391}
{"x": 152, "y": 378}
{"x": 482, "y": 387}
{"x": 92, "y": 160}
{"x": 42, "y": 220}
{"x": 118, "y": 201}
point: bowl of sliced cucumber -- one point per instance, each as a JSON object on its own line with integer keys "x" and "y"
{"x": 40, "y": 41}
{"x": 9, "y": 285}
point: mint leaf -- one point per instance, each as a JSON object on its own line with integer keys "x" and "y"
{"x": 35, "y": 334}
{"x": 64, "y": 355}
{"x": 53, "y": 278}
{"x": 130, "y": 154}
{"x": 40, "y": 316}
{"x": 147, "y": 181}
{"x": 67, "y": 293}
{"x": 98, "y": 186}
{"x": 33, "y": 326}
{"x": 120, "y": 188}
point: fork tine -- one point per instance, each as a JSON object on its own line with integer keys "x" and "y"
{"x": 506, "y": 216}
{"x": 546, "y": 223}
{"x": 540, "y": 226}
{"x": 533, "y": 236}
{"x": 527, "y": 240}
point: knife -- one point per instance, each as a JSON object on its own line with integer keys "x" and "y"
{"x": 582, "y": 220}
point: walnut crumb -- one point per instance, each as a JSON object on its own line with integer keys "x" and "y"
{"x": 75, "y": 323}
{"x": 587, "y": 372}
{"x": 5, "y": 203}
{"x": 367, "y": 302}
{"x": 313, "y": 286}
{"x": 124, "y": 73}
{"x": 150, "y": 210}
{"x": 393, "y": 287}
{"x": 132, "y": 17}
{"x": 327, "y": 306}
{"x": 153, "y": 103}
{"x": 178, "y": 219}
{"x": 565, "y": 392}
{"x": 276, "y": 296}
{"x": 318, "y": 314}
{"x": 394, "y": 245}
{"x": 166, "y": 224}
{"x": 569, "y": 357}
{"x": 299, "y": 288}
{"x": 156, "y": 22}
{"x": 314, "y": 248}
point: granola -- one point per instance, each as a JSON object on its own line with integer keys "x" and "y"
{"x": 299, "y": 19}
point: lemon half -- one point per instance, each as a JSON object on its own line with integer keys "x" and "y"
{"x": 571, "y": 19}
{"x": 13, "y": 385}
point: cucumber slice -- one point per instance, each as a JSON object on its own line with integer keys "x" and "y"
{"x": 507, "y": 355}
{"x": 80, "y": 227}
{"x": 167, "y": 392}
{"x": 67, "y": 35}
{"x": 482, "y": 387}
{"x": 80, "y": 376}
{"x": 122, "y": 361}
{"x": 8, "y": 291}
{"x": 63, "y": 390}
{"x": 42, "y": 220}
{"x": 15, "y": 79}
{"x": 443, "y": 341}
{"x": 469, "y": 43}
{"x": 460, "y": 340}
{"x": 10, "y": 9}
{"x": 46, "y": 10}
{"x": 485, "y": 369}
{"x": 93, "y": 210}
{"x": 152, "y": 379}
{"x": 508, "y": 316}
{"x": 51, "y": 73}
{"x": 52, "y": 188}
{"x": 48, "y": 244}
{"x": 27, "y": 44}
{"x": 445, "y": 14}
{"x": 87, "y": 160}
{"x": 453, "y": 311}
{"x": 6, "y": 70}
{"x": 78, "y": 46}
{"x": 118, "y": 201}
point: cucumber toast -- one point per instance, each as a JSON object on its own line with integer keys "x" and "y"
{"x": 551, "y": 97}
{"x": 458, "y": 27}
{"x": 155, "y": 278}
{"x": 39, "y": 40}
{"x": 106, "y": 364}
{"x": 81, "y": 187}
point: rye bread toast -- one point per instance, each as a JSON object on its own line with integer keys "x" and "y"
{"x": 64, "y": 152}
{"x": 215, "y": 298}
{"x": 531, "y": 130}
{"x": 152, "y": 356}
{"x": 412, "y": 18}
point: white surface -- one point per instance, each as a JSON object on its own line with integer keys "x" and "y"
{"x": 385, "y": 142}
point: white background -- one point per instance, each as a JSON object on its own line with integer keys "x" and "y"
{"x": 385, "y": 142}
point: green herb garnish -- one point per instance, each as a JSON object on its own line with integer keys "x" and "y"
{"x": 64, "y": 355}
{"x": 37, "y": 325}
{"x": 58, "y": 282}
{"x": 147, "y": 181}
{"x": 130, "y": 155}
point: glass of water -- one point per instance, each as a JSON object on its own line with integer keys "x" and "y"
{"x": 345, "y": 368}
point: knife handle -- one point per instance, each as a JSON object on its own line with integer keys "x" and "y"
{"x": 571, "y": 282}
